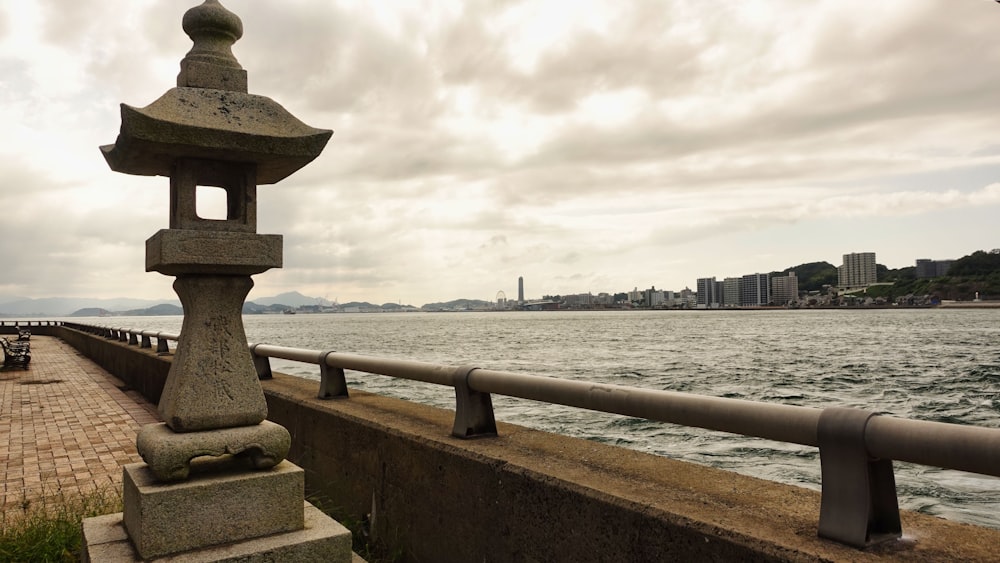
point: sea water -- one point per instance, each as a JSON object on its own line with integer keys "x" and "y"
{"x": 928, "y": 364}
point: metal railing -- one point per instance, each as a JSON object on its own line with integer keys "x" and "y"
{"x": 141, "y": 338}
{"x": 29, "y": 323}
{"x": 858, "y": 507}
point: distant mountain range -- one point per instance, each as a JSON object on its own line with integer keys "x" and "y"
{"x": 65, "y": 306}
{"x": 12, "y": 306}
{"x": 84, "y": 307}
{"x": 292, "y": 299}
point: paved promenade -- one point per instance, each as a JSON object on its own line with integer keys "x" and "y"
{"x": 65, "y": 426}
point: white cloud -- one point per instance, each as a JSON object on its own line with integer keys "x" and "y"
{"x": 901, "y": 203}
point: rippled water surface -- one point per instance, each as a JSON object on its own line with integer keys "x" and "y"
{"x": 939, "y": 365}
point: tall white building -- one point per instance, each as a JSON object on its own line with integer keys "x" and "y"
{"x": 785, "y": 289}
{"x": 858, "y": 270}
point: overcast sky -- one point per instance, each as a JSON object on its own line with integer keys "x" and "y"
{"x": 585, "y": 145}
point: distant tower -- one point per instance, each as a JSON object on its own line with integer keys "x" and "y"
{"x": 520, "y": 290}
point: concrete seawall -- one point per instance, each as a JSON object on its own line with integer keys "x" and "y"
{"x": 140, "y": 369}
{"x": 534, "y": 496}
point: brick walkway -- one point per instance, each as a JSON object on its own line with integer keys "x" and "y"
{"x": 65, "y": 426}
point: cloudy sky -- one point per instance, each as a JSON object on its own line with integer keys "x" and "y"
{"x": 587, "y": 145}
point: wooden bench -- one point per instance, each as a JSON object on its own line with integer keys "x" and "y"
{"x": 23, "y": 333}
{"x": 15, "y": 353}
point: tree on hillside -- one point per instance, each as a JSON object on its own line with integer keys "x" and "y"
{"x": 814, "y": 275}
{"x": 908, "y": 273}
{"x": 979, "y": 263}
{"x": 881, "y": 272}
{"x": 884, "y": 274}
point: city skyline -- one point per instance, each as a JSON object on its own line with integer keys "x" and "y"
{"x": 866, "y": 261}
{"x": 776, "y": 287}
{"x": 617, "y": 145}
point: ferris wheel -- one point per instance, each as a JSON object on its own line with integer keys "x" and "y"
{"x": 501, "y": 302}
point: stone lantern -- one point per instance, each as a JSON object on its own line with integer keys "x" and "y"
{"x": 215, "y": 454}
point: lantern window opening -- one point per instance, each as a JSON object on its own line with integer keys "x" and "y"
{"x": 195, "y": 203}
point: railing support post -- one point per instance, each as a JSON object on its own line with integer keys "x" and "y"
{"x": 473, "y": 409}
{"x": 859, "y": 505}
{"x": 162, "y": 346}
{"x": 261, "y": 364}
{"x": 133, "y": 338}
{"x": 146, "y": 341}
{"x": 332, "y": 380}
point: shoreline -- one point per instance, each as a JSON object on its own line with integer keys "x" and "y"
{"x": 968, "y": 305}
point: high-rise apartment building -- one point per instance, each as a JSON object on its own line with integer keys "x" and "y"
{"x": 731, "y": 292}
{"x": 932, "y": 268}
{"x": 755, "y": 290}
{"x": 785, "y": 289}
{"x": 708, "y": 294}
{"x": 858, "y": 270}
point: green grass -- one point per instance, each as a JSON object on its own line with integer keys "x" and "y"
{"x": 48, "y": 529}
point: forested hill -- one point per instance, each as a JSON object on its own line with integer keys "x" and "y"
{"x": 979, "y": 263}
{"x": 812, "y": 276}
{"x": 972, "y": 276}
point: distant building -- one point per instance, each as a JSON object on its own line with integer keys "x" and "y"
{"x": 858, "y": 270}
{"x": 653, "y": 298}
{"x": 708, "y": 295}
{"x": 635, "y": 295}
{"x": 520, "y": 290}
{"x": 604, "y": 299}
{"x": 785, "y": 289}
{"x": 755, "y": 291}
{"x": 932, "y": 268}
{"x": 687, "y": 298}
{"x": 579, "y": 300}
{"x": 731, "y": 292}
{"x": 669, "y": 298}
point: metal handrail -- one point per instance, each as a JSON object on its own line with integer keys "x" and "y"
{"x": 142, "y": 338}
{"x": 951, "y": 446}
{"x": 857, "y": 447}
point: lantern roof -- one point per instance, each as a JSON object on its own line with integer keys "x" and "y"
{"x": 210, "y": 115}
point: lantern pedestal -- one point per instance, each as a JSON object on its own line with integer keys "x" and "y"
{"x": 229, "y": 516}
